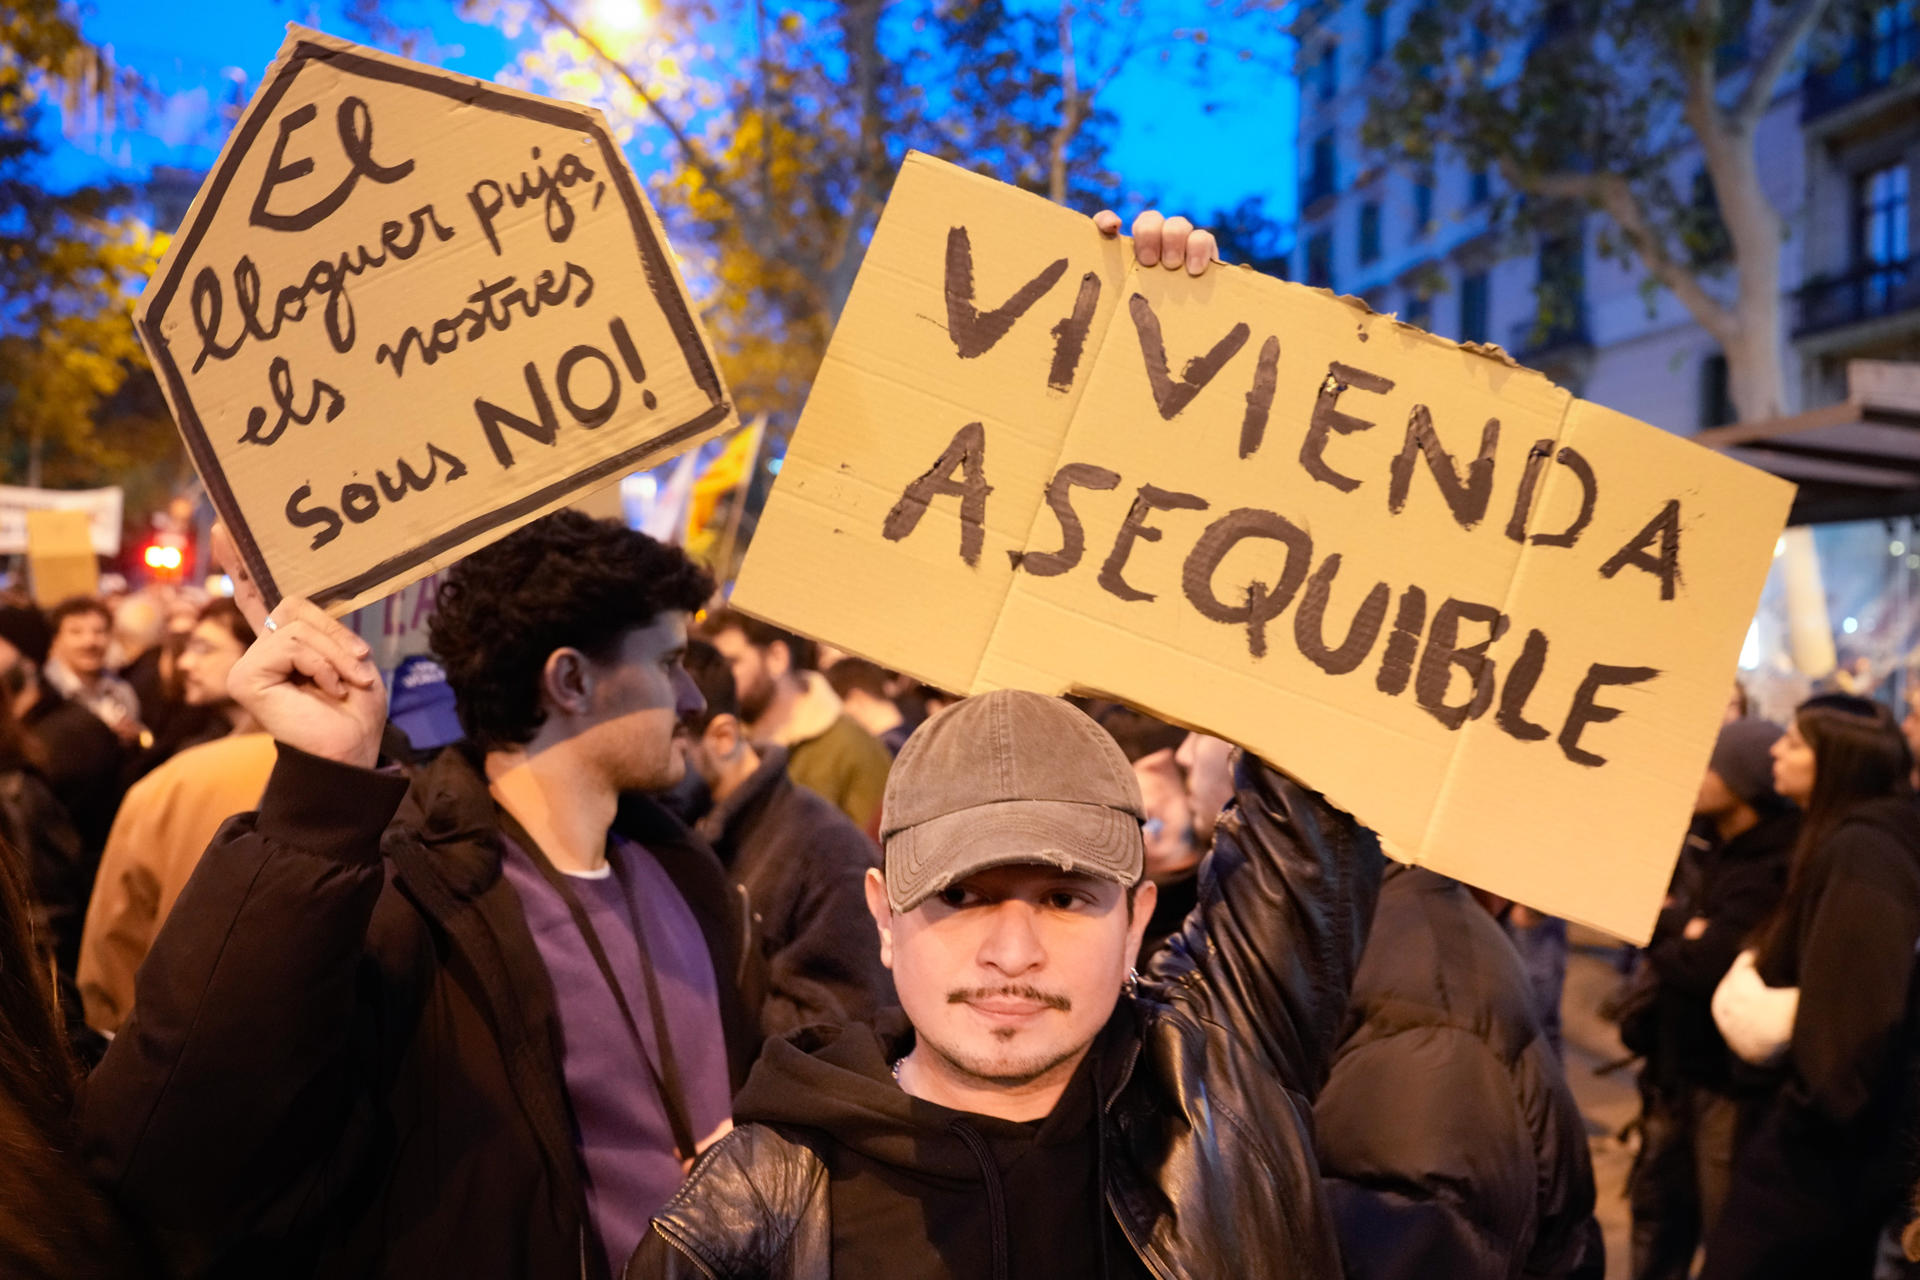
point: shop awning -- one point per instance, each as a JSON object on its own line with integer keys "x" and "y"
{"x": 1856, "y": 460}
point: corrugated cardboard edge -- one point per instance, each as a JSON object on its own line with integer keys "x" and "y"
{"x": 297, "y": 38}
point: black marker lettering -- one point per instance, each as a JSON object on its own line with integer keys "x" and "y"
{"x": 1585, "y": 711}
{"x": 1149, "y": 500}
{"x": 1589, "y": 493}
{"x": 1443, "y": 653}
{"x": 1073, "y": 535}
{"x": 355, "y": 123}
{"x": 1403, "y": 644}
{"x": 280, "y": 383}
{"x": 1253, "y": 428}
{"x": 1171, "y": 397}
{"x": 975, "y": 332}
{"x": 1309, "y": 622}
{"x": 493, "y": 417}
{"x": 1521, "y": 677}
{"x": 594, "y": 415}
{"x": 1665, "y": 566}
{"x": 301, "y": 517}
{"x": 1262, "y": 605}
{"x": 1328, "y": 418}
{"x": 967, "y": 453}
{"x": 1467, "y": 495}
{"x": 1070, "y": 335}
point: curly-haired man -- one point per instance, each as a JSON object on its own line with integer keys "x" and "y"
{"x": 491, "y": 1051}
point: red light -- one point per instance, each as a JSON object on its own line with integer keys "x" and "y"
{"x": 164, "y": 559}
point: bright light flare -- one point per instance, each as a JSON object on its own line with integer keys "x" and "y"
{"x": 167, "y": 559}
{"x": 618, "y": 17}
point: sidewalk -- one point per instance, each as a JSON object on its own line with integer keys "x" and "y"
{"x": 1609, "y": 1101}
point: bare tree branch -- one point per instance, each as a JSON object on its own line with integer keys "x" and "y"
{"x": 753, "y": 220}
{"x": 1069, "y": 108}
{"x": 1792, "y": 34}
{"x": 1616, "y": 197}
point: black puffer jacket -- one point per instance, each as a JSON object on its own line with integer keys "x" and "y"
{"x": 343, "y": 1059}
{"x": 1205, "y": 1130}
{"x": 1450, "y": 1142}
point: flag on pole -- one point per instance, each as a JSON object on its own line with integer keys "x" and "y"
{"x": 732, "y": 469}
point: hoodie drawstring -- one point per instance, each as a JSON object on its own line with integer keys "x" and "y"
{"x": 996, "y": 1193}
{"x": 1100, "y": 1190}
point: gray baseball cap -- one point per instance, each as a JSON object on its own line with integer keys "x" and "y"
{"x": 1004, "y": 778}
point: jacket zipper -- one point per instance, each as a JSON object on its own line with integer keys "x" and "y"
{"x": 667, "y": 1234}
{"x": 1126, "y": 1229}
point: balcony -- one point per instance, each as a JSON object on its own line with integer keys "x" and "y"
{"x": 1869, "y": 292}
{"x": 1867, "y": 66}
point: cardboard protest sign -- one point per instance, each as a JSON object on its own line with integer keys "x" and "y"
{"x": 103, "y": 509}
{"x": 1495, "y": 622}
{"x": 60, "y": 558}
{"x": 410, "y": 311}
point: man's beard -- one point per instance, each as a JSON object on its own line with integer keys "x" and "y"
{"x": 756, "y": 697}
{"x": 1009, "y": 1073}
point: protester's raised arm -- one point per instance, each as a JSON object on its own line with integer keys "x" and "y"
{"x": 228, "y": 1104}
{"x": 1286, "y": 898}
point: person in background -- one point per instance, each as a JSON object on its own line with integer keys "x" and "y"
{"x": 169, "y": 817}
{"x": 1729, "y": 881}
{"x": 801, "y": 862}
{"x": 1173, "y": 852}
{"x": 481, "y": 1038}
{"x": 76, "y": 666}
{"x": 54, "y": 1223}
{"x": 784, "y": 701}
{"x": 36, "y": 832}
{"x": 139, "y": 627}
{"x": 1449, "y": 1140}
{"x": 862, "y": 688}
{"x": 1826, "y": 995}
{"x": 81, "y": 757}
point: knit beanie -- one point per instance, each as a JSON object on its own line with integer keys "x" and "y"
{"x": 1743, "y": 757}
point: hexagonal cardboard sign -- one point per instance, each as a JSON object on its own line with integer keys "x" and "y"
{"x": 410, "y": 311}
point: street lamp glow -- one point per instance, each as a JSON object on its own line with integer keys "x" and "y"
{"x": 167, "y": 558}
{"x": 619, "y": 17}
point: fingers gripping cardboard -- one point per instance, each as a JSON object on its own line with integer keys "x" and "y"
{"x": 1495, "y": 622}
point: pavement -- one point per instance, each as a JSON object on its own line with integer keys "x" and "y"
{"x": 1608, "y": 1099}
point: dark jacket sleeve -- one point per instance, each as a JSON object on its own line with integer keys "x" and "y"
{"x": 1855, "y": 965}
{"x": 226, "y": 1097}
{"x": 1434, "y": 1180}
{"x": 1286, "y": 897}
{"x": 1694, "y": 966}
{"x": 824, "y": 965}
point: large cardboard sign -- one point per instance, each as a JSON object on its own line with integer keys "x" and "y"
{"x": 1495, "y": 622}
{"x": 60, "y": 555}
{"x": 410, "y": 311}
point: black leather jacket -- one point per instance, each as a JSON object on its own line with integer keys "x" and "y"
{"x": 1206, "y": 1124}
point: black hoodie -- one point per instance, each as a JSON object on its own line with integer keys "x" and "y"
{"x": 922, "y": 1192}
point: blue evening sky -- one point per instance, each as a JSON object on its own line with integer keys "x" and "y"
{"x": 1193, "y": 138}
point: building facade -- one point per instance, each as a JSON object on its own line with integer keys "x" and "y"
{"x": 1840, "y": 153}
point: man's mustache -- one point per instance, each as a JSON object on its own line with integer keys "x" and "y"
{"x": 962, "y": 995}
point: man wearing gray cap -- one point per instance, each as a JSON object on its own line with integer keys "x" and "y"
{"x": 1036, "y": 1108}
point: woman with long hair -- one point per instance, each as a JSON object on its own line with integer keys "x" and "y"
{"x": 53, "y": 1222}
{"x": 1823, "y": 996}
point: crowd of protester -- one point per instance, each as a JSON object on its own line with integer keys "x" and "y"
{"x": 711, "y": 952}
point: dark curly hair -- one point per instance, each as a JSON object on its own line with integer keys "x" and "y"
{"x": 564, "y": 581}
